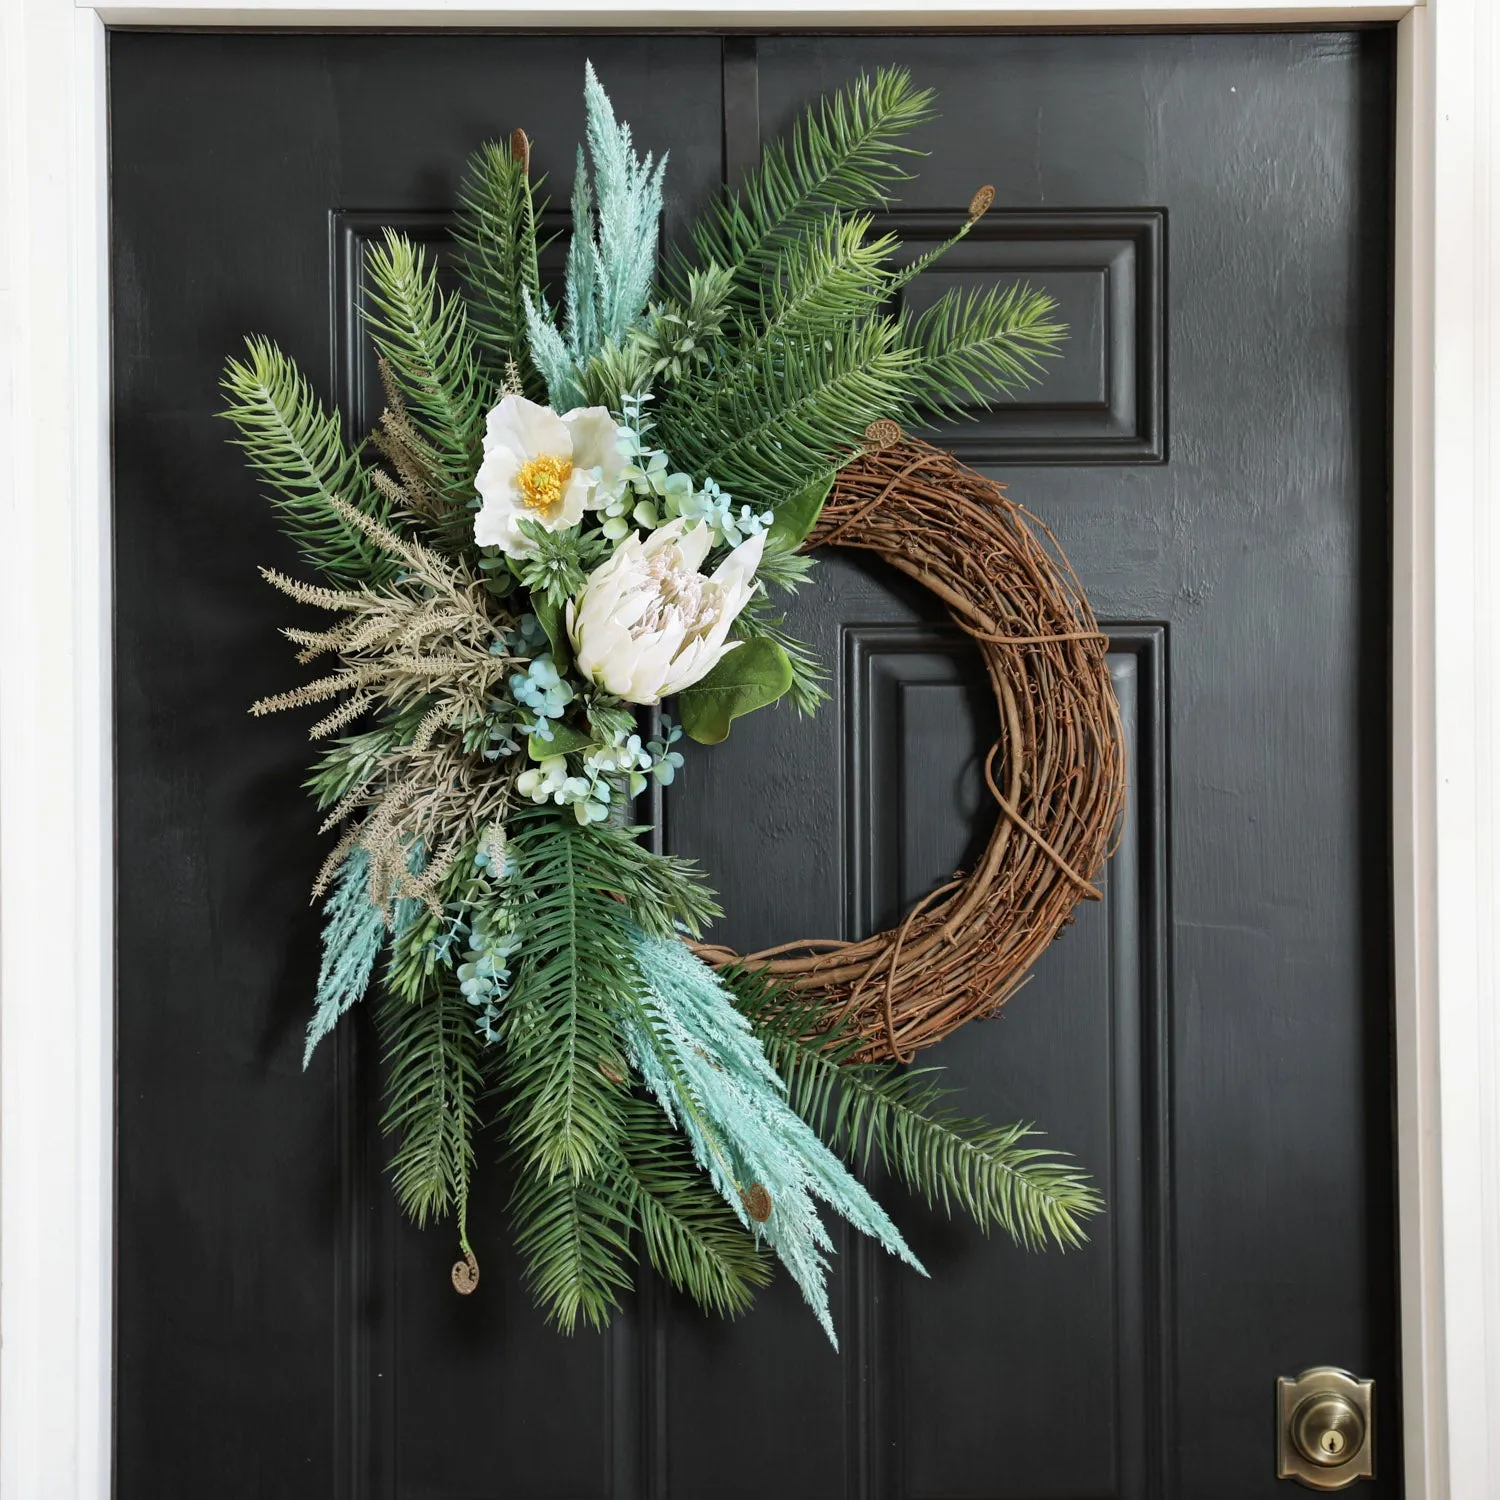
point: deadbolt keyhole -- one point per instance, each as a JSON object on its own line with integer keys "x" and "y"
{"x": 1325, "y": 1432}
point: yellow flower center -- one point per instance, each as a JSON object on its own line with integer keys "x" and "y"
{"x": 542, "y": 480}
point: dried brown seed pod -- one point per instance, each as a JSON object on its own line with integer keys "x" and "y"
{"x": 979, "y": 204}
{"x": 757, "y": 1201}
{"x": 520, "y": 149}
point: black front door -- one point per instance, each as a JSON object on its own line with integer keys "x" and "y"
{"x": 1212, "y": 213}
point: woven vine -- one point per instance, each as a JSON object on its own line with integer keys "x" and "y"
{"x": 1057, "y": 772}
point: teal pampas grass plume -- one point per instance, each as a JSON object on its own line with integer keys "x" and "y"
{"x": 353, "y": 935}
{"x": 698, "y": 1055}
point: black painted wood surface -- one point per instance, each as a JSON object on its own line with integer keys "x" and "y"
{"x": 1212, "y": 1041}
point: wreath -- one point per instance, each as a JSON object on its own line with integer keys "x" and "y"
{"x": 566, "y": 516}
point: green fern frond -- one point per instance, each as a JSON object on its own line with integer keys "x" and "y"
{"x": 574, "y": 1236}
{"x": 832, "y": 276}
{"x": 572, "y": 976}
{"x": 293, "y": 442}
{"x": 779, "y": 424}
{"x": 433, "y": 1085}
{"x": 497, "y": 233}
{"x": 580, "y": 886}
{"x": 976, "y": 345}
{"x": 425, "y": 337}
{"x": 844, "y": 154}
{"x": 691, "y": 1237}
{"x": 900, "y": 1115}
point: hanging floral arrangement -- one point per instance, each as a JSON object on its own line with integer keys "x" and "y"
{"x": 566, "y": 516}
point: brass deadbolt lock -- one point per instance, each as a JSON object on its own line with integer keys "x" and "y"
{"x": 1325, "y": 1428}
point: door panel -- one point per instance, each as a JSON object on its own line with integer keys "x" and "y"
{"x": 1210, "y": 1039}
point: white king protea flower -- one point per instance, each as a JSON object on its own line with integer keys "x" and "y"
{"x": 542, "y": 467}
{"x": 648, "y": 623}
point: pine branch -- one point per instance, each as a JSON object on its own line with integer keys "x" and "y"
{"x": 581, "y": 887}
{"x": 974, "y": 345}
{"x": 349, "y": 764}
{"x": 575, "y": 1238}
{"x": 900, "y": 1116}
{"x": 844, "y": 154}
{"x": 571, "y": 977}
{"x": 426, "y": 339}
{"x": 354, "y": 932}
{"x": 691, "y": 1237}
{"x": 829, "y": 278}
{"x": 498, "y": 235}
{"x": 433, "y": 1084}
{"x": 297, "y": 446}
{"x": 776, "y": 427}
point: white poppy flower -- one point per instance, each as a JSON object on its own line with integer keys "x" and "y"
{"x": 542, "y": 467}
{"x": 648, "y": 624}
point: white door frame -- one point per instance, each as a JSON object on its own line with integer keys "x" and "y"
{"x": 56, "y": 977}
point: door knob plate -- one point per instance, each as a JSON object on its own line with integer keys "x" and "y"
{"x": 1325, "y": 1428}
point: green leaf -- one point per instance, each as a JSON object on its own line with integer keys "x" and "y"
{"x": 798, "y": 514}
{"x": 550, "y": 617}
{"x": 564, "y": 741}
{"x": 749, "y": 677}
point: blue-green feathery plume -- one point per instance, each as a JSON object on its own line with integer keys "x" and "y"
{"x": 581, "y": 310}
{"x": 699, "y": 1057}
{"x": 628, "y": 191}
{"x": 612, "y": 257}
{"x": 353, "y": 936}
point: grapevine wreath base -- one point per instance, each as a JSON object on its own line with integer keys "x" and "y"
{"x": 1057, "y": 771}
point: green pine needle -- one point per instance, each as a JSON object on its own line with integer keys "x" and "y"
{"x": 292, "y": 441}
{"x": 900, "y": 1115}
{"x": 692, "y": 1238}
{"x": 433, "y": 1085}
{"x": 776, "y": 426}
{"x": 571, "y": 977}
{"x": 426, "y": 339}
{"x": 845, "y": 153}
{"x": 498, "y": 235}
{"x": 350, "y": 762}
{"x": 977, "y": 345}
{"x": 574, "y": 1236}
{"x": 829, "y": 278}
{"x": 580, "y": 885}
{"x": 577, "y": 1237}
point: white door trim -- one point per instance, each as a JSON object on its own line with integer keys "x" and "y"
{"x": 56, "y": 847}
